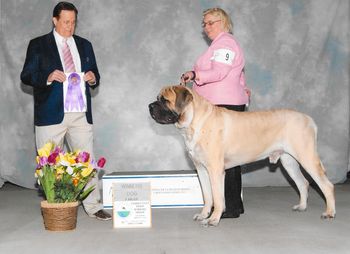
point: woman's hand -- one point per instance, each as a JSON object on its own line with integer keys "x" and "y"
{"x": 187, "y": 77}
{"x": 248, "y": 91}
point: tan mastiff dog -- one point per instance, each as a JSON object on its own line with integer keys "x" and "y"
{"x": 217, "y": 138}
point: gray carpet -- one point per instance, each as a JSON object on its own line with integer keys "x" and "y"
{"x": 268, "y": 226}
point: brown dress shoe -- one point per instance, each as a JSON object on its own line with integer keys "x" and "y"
{"x": 101, "y": 215}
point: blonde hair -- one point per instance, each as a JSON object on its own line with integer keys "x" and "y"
{"x": 226, "y": 20}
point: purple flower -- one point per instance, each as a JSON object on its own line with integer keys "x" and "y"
{"x": 42, "y": 161}
{"x": 83, "y": 157}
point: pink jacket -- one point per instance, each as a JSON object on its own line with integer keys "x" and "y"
{"x": 220, "y": 72}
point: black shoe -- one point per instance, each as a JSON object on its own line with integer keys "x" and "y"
{"x": 101, "y": 215}
{"x": 232, "y": 214}
{"x": 227, "y": 215}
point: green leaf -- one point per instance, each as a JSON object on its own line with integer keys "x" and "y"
{"x": 47, "y": 181}
{"x": 86, "y": 193}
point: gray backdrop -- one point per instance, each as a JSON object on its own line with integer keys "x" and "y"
{"x": 297, "y": 56}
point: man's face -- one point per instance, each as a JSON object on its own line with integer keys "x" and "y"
{"x": 65, "y": 24}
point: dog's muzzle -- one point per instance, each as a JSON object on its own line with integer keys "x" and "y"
{"x": 161, "y": 114}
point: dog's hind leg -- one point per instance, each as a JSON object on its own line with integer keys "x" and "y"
{"x": 206, "y": 190}
{"x": 304, "y": 150}
{"x": 293, "y": 169}
{"x": 316, "y": 170}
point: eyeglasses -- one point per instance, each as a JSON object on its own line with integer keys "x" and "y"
{"x": 209, "y": 23}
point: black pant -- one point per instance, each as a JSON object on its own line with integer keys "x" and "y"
{"x": 233, "y": 182}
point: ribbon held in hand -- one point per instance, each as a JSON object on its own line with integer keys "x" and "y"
{"x": 74, "y": 98}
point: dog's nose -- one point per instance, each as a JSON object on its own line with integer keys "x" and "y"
{"x": 151, "y": 108}
{"x": 152, "y": 105}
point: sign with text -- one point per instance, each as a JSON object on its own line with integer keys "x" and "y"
{"x": 169, "y": 189}
{"x": 132, "y": 205}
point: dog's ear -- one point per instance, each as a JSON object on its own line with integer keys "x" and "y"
{"x": 183, "y": 98}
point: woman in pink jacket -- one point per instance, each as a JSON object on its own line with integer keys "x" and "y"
{"x": 218, "y": 76}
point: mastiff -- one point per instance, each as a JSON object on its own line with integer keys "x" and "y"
{"x": 217, "y": 138}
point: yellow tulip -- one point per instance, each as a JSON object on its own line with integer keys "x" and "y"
{"x": 60, "y": 170}
{"x": 65, "y": 160}
{"x": 62, "y": 159}
{"x": 38, "y": 173}
{"x": 43, "y": 153}
{"x": 86, "y": 164}
{"x": 71, "y": 159}
{"x": 46, "y": 149}
{"x": 50, "y": 146}
{"x": 86, "y": 171}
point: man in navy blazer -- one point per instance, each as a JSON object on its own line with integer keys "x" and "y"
{"x": 46, "y": 69}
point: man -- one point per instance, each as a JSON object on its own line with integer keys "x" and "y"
{"x": 62, "y": 107}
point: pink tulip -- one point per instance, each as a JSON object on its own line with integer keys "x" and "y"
{"x": 101, "y": 162}
{"x": 52, "y": 158}
{"x": 58, "y": 150}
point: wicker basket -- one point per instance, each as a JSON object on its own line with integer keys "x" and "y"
{"x": 59, "y": 216}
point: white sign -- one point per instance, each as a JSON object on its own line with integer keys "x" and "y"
{"x": 132, "y": 205}
{"x": 169, "y": 189}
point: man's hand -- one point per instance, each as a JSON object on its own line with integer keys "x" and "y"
{"x": 90, "y": 78}
{"x": 56, "y": 75}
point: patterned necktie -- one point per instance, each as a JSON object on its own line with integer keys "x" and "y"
{"x": 74, "y": 98}
{"x": 67, "y": 57}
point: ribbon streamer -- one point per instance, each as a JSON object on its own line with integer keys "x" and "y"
{"x": 74, "y": 98}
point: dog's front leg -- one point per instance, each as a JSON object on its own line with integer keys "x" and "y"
{"x": 217, "y": 186}
{"x": 207, "y": 195}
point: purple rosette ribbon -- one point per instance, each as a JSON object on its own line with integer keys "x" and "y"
{"x": 74, "y": 98}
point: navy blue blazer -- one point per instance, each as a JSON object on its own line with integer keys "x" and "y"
{"x": 43, "y": 58}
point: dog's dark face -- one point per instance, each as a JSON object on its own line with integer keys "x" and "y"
{"x": 161, "y": 113}
{"x": 168, "y": 107}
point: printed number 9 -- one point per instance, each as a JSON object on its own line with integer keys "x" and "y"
{"x": 227, "y": 56}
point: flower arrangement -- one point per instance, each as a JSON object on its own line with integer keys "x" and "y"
{"x": 63, "y": 176}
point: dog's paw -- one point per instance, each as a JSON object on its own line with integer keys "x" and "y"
{"x": 299, "y": 208}
{"x": 210, "y": 222}
{"x": 326, "y": 216}
{"x": 199, "y": 217}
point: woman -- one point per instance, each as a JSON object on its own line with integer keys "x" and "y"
{"x": 218, "y": 76}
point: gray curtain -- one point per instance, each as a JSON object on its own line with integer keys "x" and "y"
{"x": 296, "y": 51}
